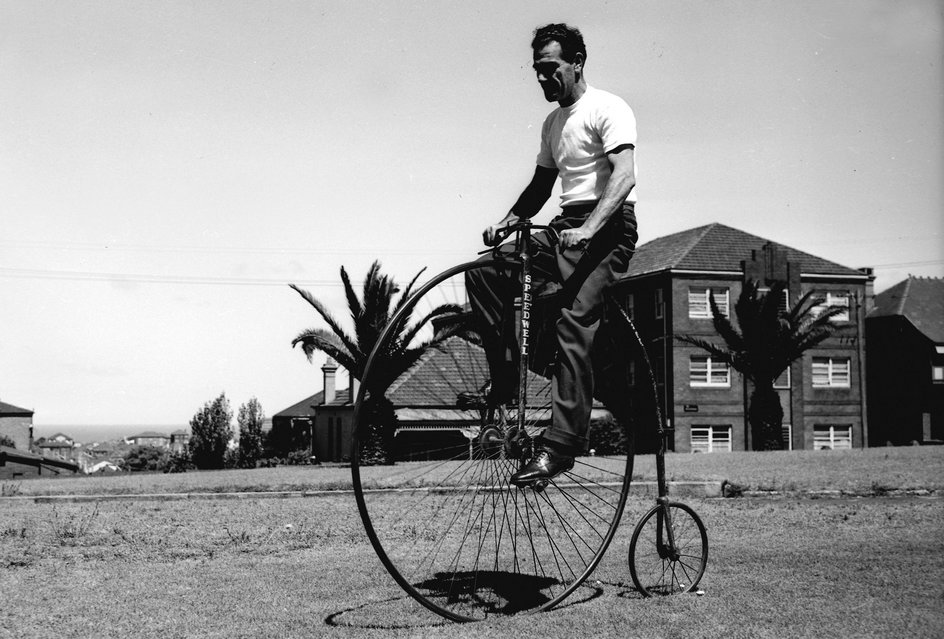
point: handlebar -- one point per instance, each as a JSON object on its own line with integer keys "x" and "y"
{"x": 505, "y": 232}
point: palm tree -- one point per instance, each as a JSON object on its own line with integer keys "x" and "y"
{"x": 370, "y": 314}
{"x": 769, "y": 340}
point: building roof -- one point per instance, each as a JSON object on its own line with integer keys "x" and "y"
{"x": 717, "y": 247}
{"x": 9, "y": 410}
{"x": 920, "y": 300}
{"x": 304, "y": 407}
{"x": 149, "y": 433}
{"x": 52, "y": 443}
{"x": 441, "y": 374}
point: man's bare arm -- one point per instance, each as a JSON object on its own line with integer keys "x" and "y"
{"x": 529, "y": 202}
{"x": 621, "y": 182}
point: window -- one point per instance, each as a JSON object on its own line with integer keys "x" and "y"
{"x": 703, "y": 371}
{"x": 659, "y": 302}
{"x": 784, "y": 380}
{"x": 834, "y": 299}
{"x": 937, "y": 374}
{"x": 787, "y": 436}
{"x": 831, "y": 372}
{"x": 784, "y": 304}
{"x": 830, "y": 437}
{"x": 629, "y": 306}
{"x": 711, "y": 439}
{"x": 699, "y": 306}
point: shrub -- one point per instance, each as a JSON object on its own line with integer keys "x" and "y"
{"x": 145, "y": 458}
{"x": 607, "y": 437}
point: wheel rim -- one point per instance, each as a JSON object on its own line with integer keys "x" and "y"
{"x": 450, "y": 528}
{"x": 656, "y": 568}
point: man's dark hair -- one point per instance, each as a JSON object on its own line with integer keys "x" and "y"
{"x": 569, "y": 38}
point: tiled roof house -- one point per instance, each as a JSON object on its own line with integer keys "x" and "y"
{"x": 666, "y": 290}
{"x": 905, "y": 350}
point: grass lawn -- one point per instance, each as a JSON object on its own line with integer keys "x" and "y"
{"x": 863, "y": 471}
{"x": 302, "y": 567}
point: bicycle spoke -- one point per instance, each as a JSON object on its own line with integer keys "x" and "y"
{"x": 444, "y": 518}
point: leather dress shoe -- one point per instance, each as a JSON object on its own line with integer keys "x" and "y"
{"x": 544, "y": 466}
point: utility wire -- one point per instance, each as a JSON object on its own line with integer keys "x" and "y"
{"x": 45, "y": 274}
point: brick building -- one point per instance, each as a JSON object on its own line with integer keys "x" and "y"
{"x": 666, "y": 291}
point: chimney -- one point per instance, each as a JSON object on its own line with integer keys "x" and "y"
{"x": 329, "y": 369}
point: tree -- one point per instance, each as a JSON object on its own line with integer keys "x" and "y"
{"x": 6, "y": 441}
{"x": 142, "y": 458}
{"x": 370, "y": 314}
{"x": 250, "y": 418}
{"x": 210, "y": 434}
{"x": 766, "y": 341}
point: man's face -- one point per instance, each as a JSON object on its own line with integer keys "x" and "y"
{"x": 556, "y": 76}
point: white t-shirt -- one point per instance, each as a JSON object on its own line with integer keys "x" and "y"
{"x": 575, "y": 141}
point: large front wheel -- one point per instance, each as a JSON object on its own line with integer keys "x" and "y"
{"x": 439, "y": 508}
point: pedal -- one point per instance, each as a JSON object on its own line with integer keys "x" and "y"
{"x": 539, "y": 485}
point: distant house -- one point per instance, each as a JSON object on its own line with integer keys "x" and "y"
{"x": 323, "y": 422}
{"x": 149, "y": 438}
{"x": 179, "y": 441}
{"x": 16, "y": 424}
{"x": 905, "y": 351}
{"x": 59, "y": 446}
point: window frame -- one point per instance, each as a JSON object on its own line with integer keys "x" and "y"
{"x": 835, "y": 298}
{"x": 784, "y": 305}
{"x": 719, "y": 438}
{"x": 937, "y": 374}
{"x": 833, "y": 437}
{"x": 711, "y": 369}
{"x": 706, "y": 293}
{"x": 833, "y": 378}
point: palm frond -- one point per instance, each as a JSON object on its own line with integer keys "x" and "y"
{"x": 717, "y": 352}
{"x": 353, "y": 304}
{"x": 409, "y": 333}
{"x": 319, "y": 340}
{"x": 329, "y": 319}
{"x": 723, "y": 325}
{"x": 408, "y": 291}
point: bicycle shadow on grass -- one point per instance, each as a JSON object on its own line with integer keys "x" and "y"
{"x": 482, "y": 594}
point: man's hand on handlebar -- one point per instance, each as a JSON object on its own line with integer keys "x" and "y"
{"x": 576, "y": 238}
{"x": 492, "y": 235}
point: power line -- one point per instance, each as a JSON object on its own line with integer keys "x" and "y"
{"x": 140, "y": 278}
{"x": 154, "y": 248}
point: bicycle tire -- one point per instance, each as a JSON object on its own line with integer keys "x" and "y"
{"x": 657, "y": 569}
{"x": 451, "y": 530}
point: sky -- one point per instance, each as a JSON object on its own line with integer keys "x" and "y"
{"x": 167, "y": 168}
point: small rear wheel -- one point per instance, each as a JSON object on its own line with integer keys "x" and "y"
{"x": 668, "y": 564}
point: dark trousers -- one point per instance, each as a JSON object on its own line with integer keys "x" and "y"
{"x": 577, "y": 278}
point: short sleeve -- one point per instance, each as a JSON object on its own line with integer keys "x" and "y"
{"x": 545, "y": 157}
{"x": 616, "y": 124}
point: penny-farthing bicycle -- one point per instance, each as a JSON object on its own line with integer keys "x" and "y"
{"x": 440, "y": 511}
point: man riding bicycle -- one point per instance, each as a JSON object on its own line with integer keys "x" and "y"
{"x": 589, "y": 142}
